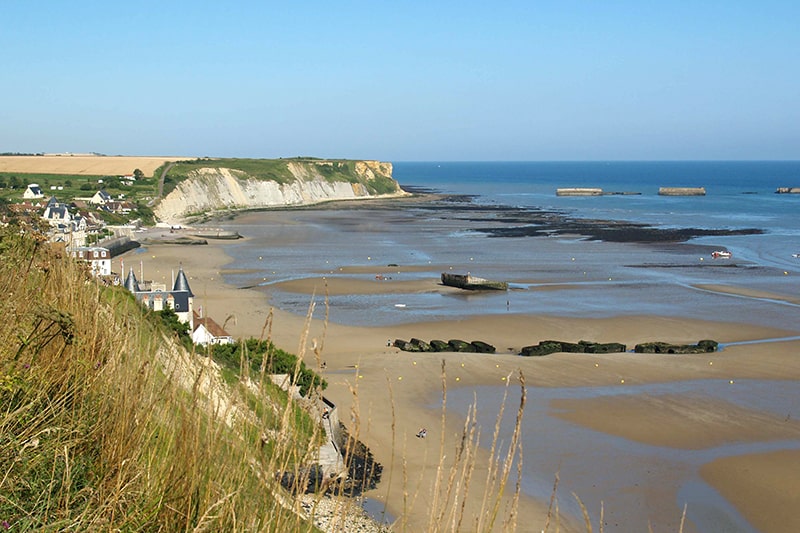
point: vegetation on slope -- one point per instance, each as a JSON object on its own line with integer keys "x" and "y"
{"x": 106, "y": 423}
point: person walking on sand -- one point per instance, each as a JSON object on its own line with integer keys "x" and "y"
{"x": 422, "y": 433}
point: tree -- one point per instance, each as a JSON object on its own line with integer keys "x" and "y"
{"x": 138, "y": 174}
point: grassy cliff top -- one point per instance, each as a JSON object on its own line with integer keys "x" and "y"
{"x": 285, "y": 171}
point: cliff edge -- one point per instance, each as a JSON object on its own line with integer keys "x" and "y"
{"x": 205, "y": 186}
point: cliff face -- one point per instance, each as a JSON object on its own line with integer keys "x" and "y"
{"x": 213, "y": 189}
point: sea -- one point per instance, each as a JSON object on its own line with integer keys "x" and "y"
{"x": 660, "y": 279}
{"x": 615, "y": 279}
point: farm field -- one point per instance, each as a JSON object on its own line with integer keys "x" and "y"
{"x": 79, "y": 165}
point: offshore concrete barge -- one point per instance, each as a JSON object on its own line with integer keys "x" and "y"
{"x": 472, "y": 283}
{"x": 682, "y": 191}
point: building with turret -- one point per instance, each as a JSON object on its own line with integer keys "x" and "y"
{"x": 180, "y": 299}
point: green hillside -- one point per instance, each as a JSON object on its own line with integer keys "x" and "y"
{"x": 107, "y": 423}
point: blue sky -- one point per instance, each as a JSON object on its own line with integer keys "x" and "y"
{"x": 403, "y": 81}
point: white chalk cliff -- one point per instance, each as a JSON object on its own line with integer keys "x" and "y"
{"x": 215, "y": 189}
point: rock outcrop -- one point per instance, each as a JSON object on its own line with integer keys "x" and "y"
{"x": 302, "y": 182}
{"x": 453, "y": 345}
{"x": 550, "y": 346}
{"x": 704, "y": 346}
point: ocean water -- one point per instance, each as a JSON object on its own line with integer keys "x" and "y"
{"x": 739, "y": 195}
{"x": 647, "y": 279}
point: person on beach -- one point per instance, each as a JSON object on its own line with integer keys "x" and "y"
{"x": 422, "y": 433}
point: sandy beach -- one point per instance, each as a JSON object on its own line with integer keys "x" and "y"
{"x": 391, "y": 393}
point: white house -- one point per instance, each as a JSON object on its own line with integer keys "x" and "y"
{"x": 56, "y": 213}
{"x": 207, "y": 331}
{"x": 99, "y": 258}
{"x": 33, "y": 192}
{"x": 101, "y": 197}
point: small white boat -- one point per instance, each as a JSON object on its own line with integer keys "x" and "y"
{"x": 721, "y": 254}
{"x": 795, "y": 255}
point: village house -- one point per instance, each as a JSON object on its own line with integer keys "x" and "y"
{"x": 207, "y": 332}
{"x": 99, "y": 258}
{"x": 33, "y": 192}
{"x": 56, "y": 213}
{"x": 101, "y": 197}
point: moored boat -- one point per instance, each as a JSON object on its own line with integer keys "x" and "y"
{"x": 721, "y": 254}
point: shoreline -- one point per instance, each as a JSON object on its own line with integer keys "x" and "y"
{"x": 404, "y": 384}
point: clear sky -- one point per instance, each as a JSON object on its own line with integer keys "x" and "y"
{"x": 403, "y": 81}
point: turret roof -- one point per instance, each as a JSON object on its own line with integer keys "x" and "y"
{"x": 181, "y": 283}
{"x": 130, "y": 282}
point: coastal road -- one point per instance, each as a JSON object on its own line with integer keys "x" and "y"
{"x": 161, "y": 179}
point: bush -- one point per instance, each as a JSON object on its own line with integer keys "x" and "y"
{"x": 274, "y": 360}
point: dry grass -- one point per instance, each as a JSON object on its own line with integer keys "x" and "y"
{"x": 105, "y": 423}
{"x": 83, "y": 165}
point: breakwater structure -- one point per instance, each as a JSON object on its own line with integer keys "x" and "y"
{"x": 119, "y": 245}
{"x": 216, "y": 233}
{"x": 591, "y": 191}
{"x": 787, "y": 190}
{"x": 579, "y": 191}
{"x": 682, "y": 191}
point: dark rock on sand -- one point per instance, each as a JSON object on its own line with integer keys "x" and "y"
{"x": 550, "y": 346}
{"x": 457, "y": 345}
{"x": 606, "y": 347}
{"x": 543, "y": 348}
{"x": 421, "y": 345}
{"x": 439, "y": 346}
{"x": 482, "y": 347}
{"x": 704, "y": 346}
{"x": 406, "y": 346}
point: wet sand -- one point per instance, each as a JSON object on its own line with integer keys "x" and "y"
{"x": 390, "y": 392}
{"x": 763, "y": 486}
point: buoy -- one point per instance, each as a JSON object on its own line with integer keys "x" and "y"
{"x": 597, "y": 364}
{"x": 462, "y": 365}
{"x": 497, "y": 366}
{"x": 731, "y": 382}
{"x": 458, "y": 379}
{"x": 415, "y": 362}
{"x": 711, "y": 362}
{"x": 622, "y": 381}
{"x": 573, "y": 259}
{"x": 503, "y": 378}
{"x": 399, "y": 378}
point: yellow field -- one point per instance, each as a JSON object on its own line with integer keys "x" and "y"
{"x": 83, "y": 164}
